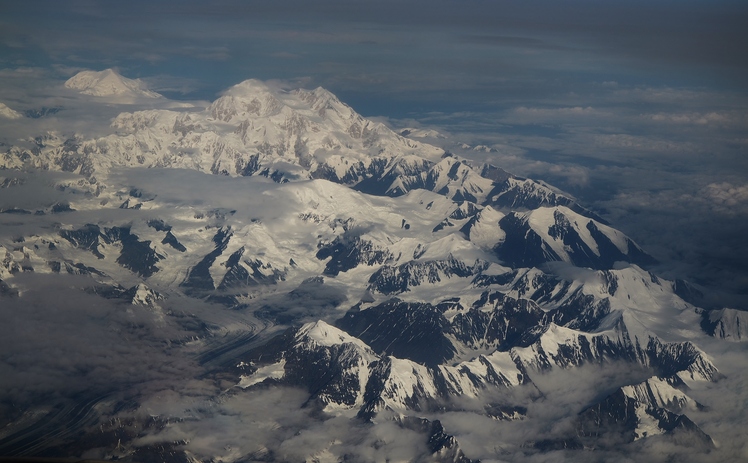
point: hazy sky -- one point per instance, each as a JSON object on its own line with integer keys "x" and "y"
{"x": 638, "y": 108}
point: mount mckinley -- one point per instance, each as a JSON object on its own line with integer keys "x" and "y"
{"x": 386, "y": 296}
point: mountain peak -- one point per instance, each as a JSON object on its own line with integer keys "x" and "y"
{"x": 7, "y": 113}
{"x": 256, "y": 98}
{"x": 252, "y": 97}
{"x": 249, "y": 87}
{"x": 324, "y": 334}
{"x": 322, "y": 94}
{"x": 321, "y": 100}
{"x": 109, "y": 83}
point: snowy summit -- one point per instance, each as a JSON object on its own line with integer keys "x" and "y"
{"x": 7, "y": 113}
{"x": 109, "y": 83}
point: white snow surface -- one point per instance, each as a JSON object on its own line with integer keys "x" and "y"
{"x": 730, "y": 324}
{"x": 627, "y": 334}
{"x": 411, "y": 132}
{"x": 647, "y": 425}
{"x": 254, "y": 127}
{"x": 108, "y": 83}
{"x": 486, "y": 232}
{"x": 8, "y": 113}
{"x": 470, "y": 377}
{"x": 272, "y": 371}
{"x": 145, "y": 296}
{"x": 543, "y": 218}
{"x": 324, "y": 334}
{"x": 407, "y": 378}
{"x": 451, "y": 175}
{"x": 658, "y": 393}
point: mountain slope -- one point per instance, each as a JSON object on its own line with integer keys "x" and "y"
{"x": 560, "y": 234}
{"x": 8, "y": 113}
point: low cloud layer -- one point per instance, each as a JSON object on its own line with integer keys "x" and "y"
{"x": 80, "y": 343}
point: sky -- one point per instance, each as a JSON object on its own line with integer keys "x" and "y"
{"x": 639, "y": 109}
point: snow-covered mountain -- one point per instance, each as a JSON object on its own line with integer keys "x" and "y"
{"x": 726, "y": 323}
{"x": 109, "y": 83}
{"x": 8, "y": 113}
{"x": 278, "y": 241}
{"x": 413, "y": 384}
{"x": 560, "y": 234}
{"x": 647, "y": 409}
{"x": 255, "y": 129}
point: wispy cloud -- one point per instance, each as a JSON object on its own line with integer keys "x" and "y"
{"x": 80, "y": 344}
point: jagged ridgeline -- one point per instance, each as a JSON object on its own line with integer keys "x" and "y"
{"x": 387, "y": 279}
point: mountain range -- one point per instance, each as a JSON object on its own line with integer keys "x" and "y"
{"x": 283, "y": 242}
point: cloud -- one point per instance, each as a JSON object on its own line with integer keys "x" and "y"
{"x": 77, "y": 343}
{"x": 172, "y": 84}
{"x": 726, "y": 416}
{"x": 511, "y": 41}
{"x": 736, "y": 119}
{"x": 285, "y": 55}
{"x": 727, "y": 198}
{"x": 641, "y": 143}
{"x": 208, "y": 53}
{"x": 696, "y": 232}
{"x": 273, "y": 422}
{"x": 662, "y": 94}
{"x": 564, "y": 115}
{"x": 23, "y": 73}
{"x": 68, "y": 71}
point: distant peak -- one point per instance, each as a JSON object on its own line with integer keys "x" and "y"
{"x": 6, "y": 112}
{"x": 109, "y": 83}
